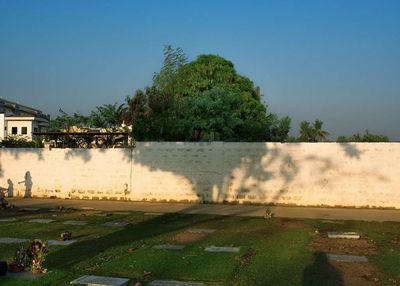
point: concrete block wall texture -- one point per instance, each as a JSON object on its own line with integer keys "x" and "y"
{"x": 303, "y": 174}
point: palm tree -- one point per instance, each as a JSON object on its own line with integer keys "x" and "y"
{"x": 305, "y": 131}
{"x": 312, "y": 133}
{"x": 319, "y": 134}
{"x": 107, "y": 115}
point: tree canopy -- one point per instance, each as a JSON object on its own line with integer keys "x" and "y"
{"x": 202, "y": 100}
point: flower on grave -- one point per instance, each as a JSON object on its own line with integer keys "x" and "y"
{"x": 37, "y": 252}
{"x": 66, "y": 235}
{"x": 268, "y": 213}
{"x": 19, "y": 260}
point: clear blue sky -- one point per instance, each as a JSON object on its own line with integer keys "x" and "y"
{"x": 335, "y": 60}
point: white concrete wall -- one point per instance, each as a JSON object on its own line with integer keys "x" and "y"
{"x": 2, "y": 126}
{"x": 307, "y": 174}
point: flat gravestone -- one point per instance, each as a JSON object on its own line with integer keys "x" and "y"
{"x": 75, "y": 222}
{"x": 154, "y": 214}
{"x": 91, "y": 280}
{"x": 122, "y": 213}
{"x": 97, "y": 213}
{"x": 347, "y": 258}
{"x": 174, "y": 283}
{"x": 116, "y": 223}
{"x": 8, "y": 219}
{"x": 333, "y": 221}
{"x": 58, "y": 210}
{"x": 85, "y": 208}
{"x": 200, "y": 230}
{"x": 61, "y": 242}
{"x": 12, "y": 240}
{"x": 29, "y": 209}
{"x": 25, "y": 275}
{"x": 347, "y": 235}
{"x": 169, "y": 246}
{"x": 42, "y": 220}
{"x": 222, "y": 249}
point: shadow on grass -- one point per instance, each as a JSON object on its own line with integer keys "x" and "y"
{"x": 321, "y": 272}
{"x": 85, "y": 250}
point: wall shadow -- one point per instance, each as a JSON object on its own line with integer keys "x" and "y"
{"x": 351, "y": 150}
{"x": 86, "y": 154}
{"x": 16, "y": 153}
{"x": 28, "y": 185}
{"x": 151, "y": 228}
{"x": 222, "y": 172}
{"x": 10, "y": 188}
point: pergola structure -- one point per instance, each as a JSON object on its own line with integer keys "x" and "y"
{"x": 85, "y": 139}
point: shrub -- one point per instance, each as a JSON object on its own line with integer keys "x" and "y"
{"x": 15, "y": 141}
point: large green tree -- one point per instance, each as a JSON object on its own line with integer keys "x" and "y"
{"x": 205, "y": 99}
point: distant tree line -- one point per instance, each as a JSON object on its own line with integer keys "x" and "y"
{"x": 366, "y": 137}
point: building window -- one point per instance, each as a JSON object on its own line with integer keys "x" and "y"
{"x": 14, "y": 130}
{"x": 24, "y": 130}
{"x": 35, "y": 129}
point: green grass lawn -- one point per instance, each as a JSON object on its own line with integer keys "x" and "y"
{"x": 272, "y": 252}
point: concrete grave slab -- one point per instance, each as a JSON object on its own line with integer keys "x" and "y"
{"x": 154, "y": 214}
{"x": 25, "y": 275}
{"x": 200, "y": 230}
{"x": 347, "y": 235}
{"x": 348, "y": 258}
{"x": 29, "y": 209}
{"x": 75, "y": 222}
{"x": 9, "y": 240}
{"x": 174, "y": 283}
{"x": 85, "y": 208}
{"x": 122, "y": 213}
{"x": 222, "y": 249}
{"x": 8, "y": 219}
{"x": 169, "y": 246}
{"x": 42, "y": 220}
{"x": 116, "y": 223}
{"x": 333, "y": 221}
{"x": 61, "y": 242}
{"x": 92, "y": 280}
{"x": 97, "y": 213}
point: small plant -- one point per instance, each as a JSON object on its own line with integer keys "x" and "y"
{"x": 66, "y": 235}
{"x": 37, "y": 252}
{"x": 18, "y": 263}
{"x": 268, "y": 213}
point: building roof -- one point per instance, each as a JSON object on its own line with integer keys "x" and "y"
{"x": 15, "y": 109}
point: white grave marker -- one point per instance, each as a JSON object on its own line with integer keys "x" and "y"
{"x": 169, "y": 246}
{"x": 42, "y": 220}
{"x": 91, "y": 280}
{"x": 222, "y": 249}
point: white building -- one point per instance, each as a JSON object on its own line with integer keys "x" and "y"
{"x": 18, "y": 119}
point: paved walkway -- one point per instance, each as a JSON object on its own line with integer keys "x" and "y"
{"x": 220, "y": 209}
